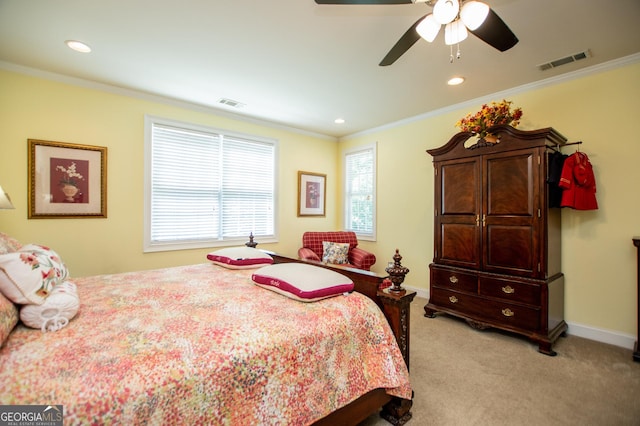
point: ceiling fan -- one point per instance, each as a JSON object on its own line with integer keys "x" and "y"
{"x": 472, "y": 16}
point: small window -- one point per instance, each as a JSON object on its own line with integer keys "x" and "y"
{"x": 360, "y": 191}
{"x": 205, "y": 187}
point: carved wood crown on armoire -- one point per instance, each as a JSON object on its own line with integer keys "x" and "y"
{"x": 497, "y": 241}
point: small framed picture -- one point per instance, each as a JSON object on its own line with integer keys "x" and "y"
{"x": 312, "y": 194}
{"x": 67, "y": 180}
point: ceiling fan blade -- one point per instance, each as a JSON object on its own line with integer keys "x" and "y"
{"x": 495, "y": 32}
{"x": 407, "y": 40}
{"x": 364, "y": 1}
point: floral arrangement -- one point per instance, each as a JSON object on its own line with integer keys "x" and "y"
{"x": 69, "y": 175}
{"x": 490, "y": 115}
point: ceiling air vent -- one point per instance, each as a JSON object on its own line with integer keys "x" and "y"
{"x": 566, "y": 60}
{"x": 230, "y": 102}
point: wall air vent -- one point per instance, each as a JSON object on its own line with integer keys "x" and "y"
{"x": 566, "y": 60}
{"x": 231, "y": 103}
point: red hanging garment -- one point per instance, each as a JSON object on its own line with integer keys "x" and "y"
{"x": 578, "y": 183}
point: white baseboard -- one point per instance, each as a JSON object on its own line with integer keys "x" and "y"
{"x": 610, "y": 337}
{"x": 420, "y": 291}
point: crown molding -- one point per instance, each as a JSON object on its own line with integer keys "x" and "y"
{"x": 137, "y": 94}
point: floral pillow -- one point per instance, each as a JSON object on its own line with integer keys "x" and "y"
{"x": 8, "y": 244}
{"x": 337, "y": 253}
{"x": 29, "y": 274}
{"x": 8, "y": 318}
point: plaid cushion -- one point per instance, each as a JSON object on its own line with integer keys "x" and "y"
{"x": 361, "y": 259}
{"x": 313, "y": 240}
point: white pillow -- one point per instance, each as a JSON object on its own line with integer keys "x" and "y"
{"x": 240, "y": 258}
{"x": 303, "y": 282}
{"x": 56, "y": 311}
{"x": 337, "y": 253}
{"x": 28, "y": 275}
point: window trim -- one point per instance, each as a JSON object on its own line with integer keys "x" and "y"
{"x": 148, "y": 245}
{"x": 373, "y": 147}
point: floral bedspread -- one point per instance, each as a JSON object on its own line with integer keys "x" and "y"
{"x": 202, "y": 345}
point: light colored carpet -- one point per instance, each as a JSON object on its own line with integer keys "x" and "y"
{"x": 463, "y": 376}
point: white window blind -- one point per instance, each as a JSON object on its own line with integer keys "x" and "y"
{"x": 206, "y": 188}
{"x": 360, "y": 191}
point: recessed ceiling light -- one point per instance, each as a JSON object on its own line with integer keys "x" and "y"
{"x": 339, "y": 121}
{"x": 78, "y": 46}
{"x": 455, "y": 81}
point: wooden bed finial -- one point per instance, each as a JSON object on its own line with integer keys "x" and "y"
{"x": 251, "y": 243}
{"x": 397, "y": 273}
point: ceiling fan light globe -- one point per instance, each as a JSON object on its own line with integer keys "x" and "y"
{"x": 455, "y": 32}
{"x": 428, "y": 28}
{"x": 473, "y": 14}
{"x": 446, "y": 11}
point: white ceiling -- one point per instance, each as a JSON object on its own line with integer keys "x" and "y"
{"x": 300, "y": 64}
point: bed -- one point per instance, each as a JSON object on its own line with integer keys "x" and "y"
{"x": 203, "y": 344}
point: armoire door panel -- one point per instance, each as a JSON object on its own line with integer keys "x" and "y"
{"x": 510, "y": 184}
{"x": 459, "y": 188}
{"x": 459, "y": 244}
{"x": 510, "y": 249}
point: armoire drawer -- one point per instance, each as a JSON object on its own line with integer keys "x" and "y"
{"x": 513, "y": 315}
{"x": 514, "y": 291}
{"x": 462, "y": 303}
{"x": 503, "y": 313}
{"x": 454, "y": 280}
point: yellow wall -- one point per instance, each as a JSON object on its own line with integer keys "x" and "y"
{"x": 36, "y": 108}
{"x": 598, "y": 257}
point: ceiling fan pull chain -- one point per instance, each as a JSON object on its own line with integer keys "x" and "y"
{"x": 458, "y": 54}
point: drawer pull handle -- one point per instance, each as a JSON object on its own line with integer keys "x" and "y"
{"x": 508, "y": 312}
{"x": 453, "y": 279}
{"x": 453, "y": 299}
{"x": 508, "y": 289}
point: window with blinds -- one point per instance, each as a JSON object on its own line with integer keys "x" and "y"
{"x": 360, "y": 191}
{"x": 206, "y": 187}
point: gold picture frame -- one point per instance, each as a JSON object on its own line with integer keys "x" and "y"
{"x": 66, "y": 180}
{"x": 312, "y": 194}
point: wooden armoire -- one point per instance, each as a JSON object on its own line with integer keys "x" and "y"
{"x": 497, "y": 240}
